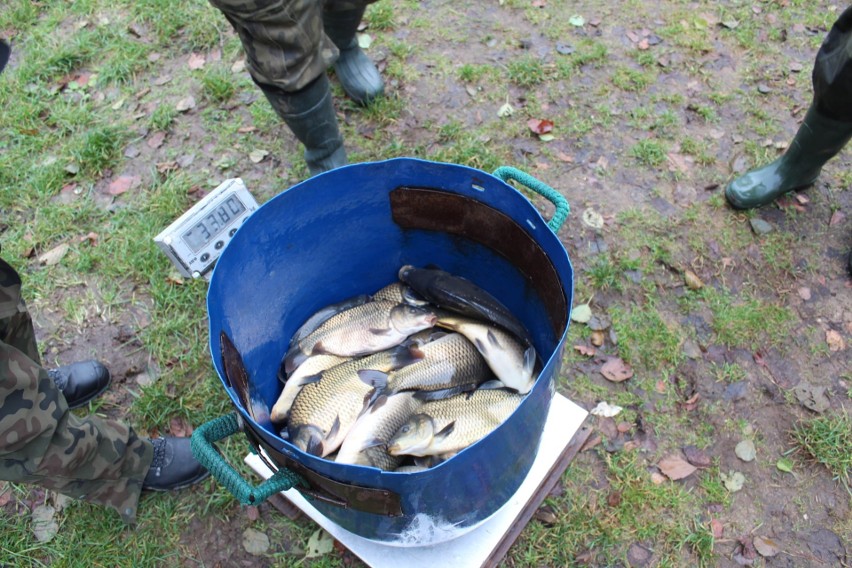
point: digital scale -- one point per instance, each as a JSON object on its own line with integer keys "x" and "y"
{"x": 196, "y": 239}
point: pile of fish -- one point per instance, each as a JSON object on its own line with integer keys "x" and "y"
{"x": 406, "y": 377}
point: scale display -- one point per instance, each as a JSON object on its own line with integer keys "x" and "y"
{"x": 214, "y": 223}
{"x": 197, "y": 238}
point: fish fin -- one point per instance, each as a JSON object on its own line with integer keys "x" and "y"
{"x": 293, "y": 359}
{"x": 529, "y": 360}
{"x": 374, "y": 443}
{"x": 480, "y": 346}
{"x": 307, "y": 438}
{"x": 310, "y": 379}
{"x": 428, "y": 396}
{"x": 378, "y": 402}
{"x": 380, "y": 332}
{"x": 319, "y": 349}
{"x": 324, "y": 444}
{"x": 405, "y": 355}
{"x": 446, "y": 430}
{"x": 376, "y": 379}
{"x": 492, "y": 339}
{"x": 491, "y": 385}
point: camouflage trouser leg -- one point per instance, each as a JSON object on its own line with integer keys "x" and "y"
{"x": 283, "y": 39}
{"x": 41, "y": 442}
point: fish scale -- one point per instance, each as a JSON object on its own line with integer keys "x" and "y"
{"x": 366, "y": 443}
{"x": 448, "y": 361}
{"x": 473, "y": 415}
{"x": 339, "y": 395}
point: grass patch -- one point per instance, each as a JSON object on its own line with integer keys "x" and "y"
{"x": 827, "y": 439}
{"x": 746, "y": 322}
{"x": 526, "y": 72}
{"x": 647, "y": 338}
{"x": 649, "y": 152}
{"x": 217, "y": 84}
{"x": 601, "y": 523}
{"x": 98, "y": 149}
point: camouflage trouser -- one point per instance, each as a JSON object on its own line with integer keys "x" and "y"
{"x": 283, "y": 39}
{"x": 41, "y": 442}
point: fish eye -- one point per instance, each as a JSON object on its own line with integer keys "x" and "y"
{"x": 405, "y": 429}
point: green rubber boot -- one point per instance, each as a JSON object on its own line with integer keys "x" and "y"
{"x": 356, "y": 71}
{"x": 310, "y": 115}
{"x": 818, "y": 140}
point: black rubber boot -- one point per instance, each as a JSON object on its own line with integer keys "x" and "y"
{"x": 80, "y": 382}
{"x": 310, "y": 115}
{"x": 356, "y": 71}
{"x": 174, "y": 466}
{"x": 818, "y": 140}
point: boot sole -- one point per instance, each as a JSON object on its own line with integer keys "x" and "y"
{"x": 183, "y": 485}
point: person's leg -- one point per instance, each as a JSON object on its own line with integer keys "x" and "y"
{"x": 356, "y": 71}
{"x": 826, "y": 129}
{"x": 287, "y": 55}
{"x": 42, "y": 442}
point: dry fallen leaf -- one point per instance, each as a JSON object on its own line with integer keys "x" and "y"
{"x": 693, "y": 282}
{"x": 257, "y": 156}
{"x": 540, "y": 126}
{"x": 675, "y": 467}
{"x": 156, "y": 140}
{"x": 716, "y": 528}
{"x": 44, "y": 525}
{"x": 185, "y": 104}
{"x": 54, "y": 255}
{"x": 835, "y": 341}
{"x": 5, "y": 496}
{"x": 679, "y": 162}
{"x": 196, "y": 61}
{"x": 766, "y": 546}
{"x": 616, "y": 370}
{"x": 121, "y": 184}
{"x": 836, "y": 218}
{"x": 179, "y": 427}
{"x": 657, "y": 478}
{"x": 585, "y": 350}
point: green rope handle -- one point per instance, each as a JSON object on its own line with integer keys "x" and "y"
{"x": 506, "y": 173}
{"x": 207, "y": 455}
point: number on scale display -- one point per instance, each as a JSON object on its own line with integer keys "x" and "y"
{"x": 213, "y": 223}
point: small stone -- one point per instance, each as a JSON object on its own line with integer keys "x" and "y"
{"x": 745, "y": 450}
{"x": 599, "y": 323}
{"x": 693, "y": 282}
{"x": 759, "y": 226}
{"x": 696, "y": 457}
{"x": 255, "y": 542}
{"x": 638, "y": 556}
{"x": 597, "y": 338}
{"x": 763, "y": 89}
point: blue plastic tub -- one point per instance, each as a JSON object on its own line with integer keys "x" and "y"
{"x": 347, "y": 232}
